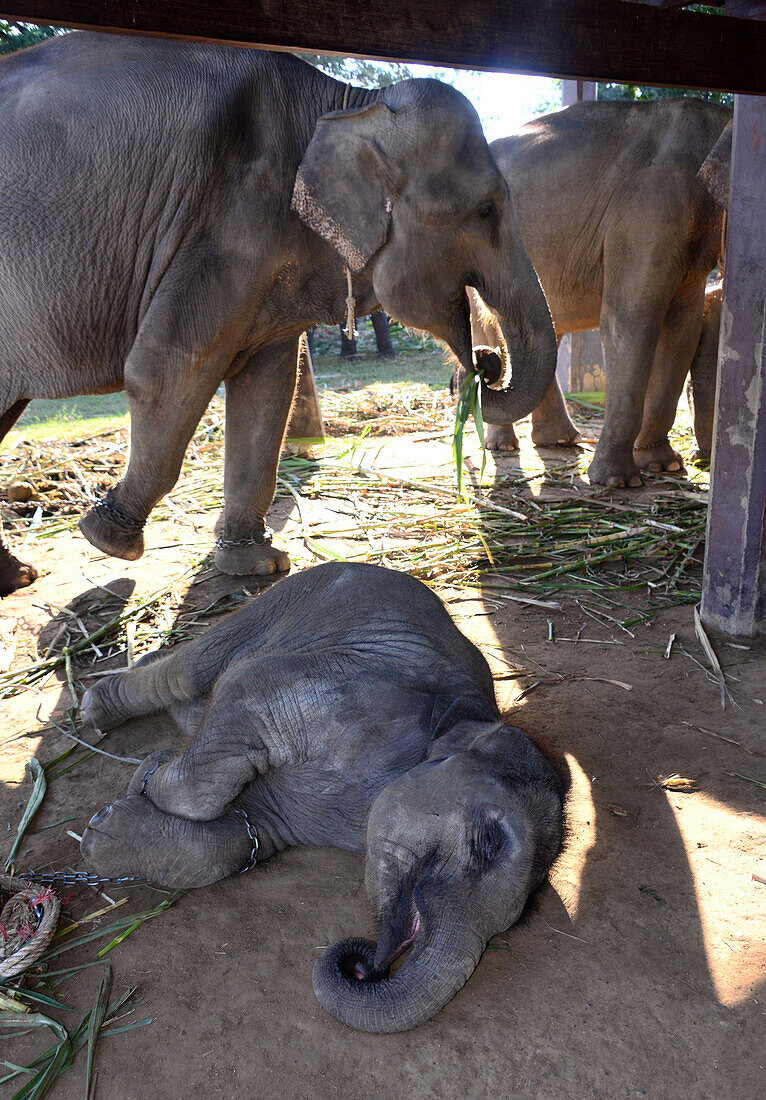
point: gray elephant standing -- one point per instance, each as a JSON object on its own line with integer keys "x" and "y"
{"x": 175, "y": 215}
{"x": 342, "y": 707}
{"x": 623, "y": 231}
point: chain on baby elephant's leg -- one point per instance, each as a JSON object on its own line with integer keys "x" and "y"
{"x": 131, "y": 837}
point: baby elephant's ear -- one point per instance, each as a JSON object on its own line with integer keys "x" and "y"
{"x": 343, "y": 185}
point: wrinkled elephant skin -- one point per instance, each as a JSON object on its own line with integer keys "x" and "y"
{"x": 176, "y": 214}
{"x": 342, "y": 707}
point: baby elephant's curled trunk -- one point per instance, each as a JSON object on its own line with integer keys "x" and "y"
{"x": 349, "y": 988}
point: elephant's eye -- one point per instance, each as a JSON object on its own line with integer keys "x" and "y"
{"x": 487, "y": 211}
{"x": 487, "y": 843}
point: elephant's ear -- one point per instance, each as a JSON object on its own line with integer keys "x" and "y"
{"x": 343, "y": 185}
{"x": 716, "y": 167}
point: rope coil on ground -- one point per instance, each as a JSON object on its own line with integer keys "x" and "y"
{"x": 28, "y": 921}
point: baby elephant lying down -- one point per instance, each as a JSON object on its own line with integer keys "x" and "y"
{"x": 342, "y": 707}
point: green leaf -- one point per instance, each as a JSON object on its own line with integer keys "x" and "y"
{"x": 33, "y": 805}
{"x": 95, "y": 1023}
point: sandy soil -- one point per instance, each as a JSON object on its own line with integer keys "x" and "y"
{"x": 640, "y": 971}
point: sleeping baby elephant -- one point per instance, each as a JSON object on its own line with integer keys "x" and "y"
{"x": 342, "y": 707}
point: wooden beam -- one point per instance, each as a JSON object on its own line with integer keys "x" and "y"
{"x": 734, "y": 583}
{"x": 578, "y": 39}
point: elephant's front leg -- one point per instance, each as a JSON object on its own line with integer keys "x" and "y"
{"x": 132, "y": 838}
{"x": 168, "y": 391}
{"x": 258, "y": 402}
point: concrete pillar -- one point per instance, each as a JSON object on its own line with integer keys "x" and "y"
{"x": 734, "y": 583}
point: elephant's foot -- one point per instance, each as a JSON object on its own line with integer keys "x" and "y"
{"x": 14, "y": 574}
{"x": 703, "y": 455}
{"x": 501, "y": 437}
{"x": 658, "y": 457}
{"x": 556, "y": 435}
{"x": 250, "y": 556}
{"x": 132, "y": 838}
{"x": 616, "y": 471}
{"x": 112, "y": 530}
{"x": 99, "y": 706}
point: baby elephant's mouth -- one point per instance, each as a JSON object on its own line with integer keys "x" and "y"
{"x": 398, "y": 933}
{"x": 402, "y": 947}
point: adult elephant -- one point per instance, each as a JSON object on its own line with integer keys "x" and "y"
{"x": 342, "y": 707}
{"x": 175, "y": 215}
{"x": 622, "y": 232}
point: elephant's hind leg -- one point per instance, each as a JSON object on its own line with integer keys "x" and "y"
{"x": 678, "y": 340}
{"x": 132, "y": 838}
{"x": 14, "y": 574}
{"x": 551, "y": 426}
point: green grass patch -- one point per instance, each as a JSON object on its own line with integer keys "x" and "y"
{"x": 418, "y": 359}
{"x": 70, "y": 417}
{"x": 595, "y": 398}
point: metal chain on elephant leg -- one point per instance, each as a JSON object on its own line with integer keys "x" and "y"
{"x": 222, "y": 543}
{"x": 652, "y": 446}
{"x": 252, "y": 834}
{"x": 90, "y": 878}
{"x": 117, "y": 516}
{"x": 73, "y": 878}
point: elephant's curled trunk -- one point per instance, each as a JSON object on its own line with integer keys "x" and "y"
{"x": 420, "y": 988}
{"x": 520, "y": 325}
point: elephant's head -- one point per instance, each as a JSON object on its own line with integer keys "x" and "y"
{"x": 455, "y": 847}
{"x": 406, "y": 188}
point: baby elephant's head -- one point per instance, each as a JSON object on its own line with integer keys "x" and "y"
{"x": 455, "y": 847}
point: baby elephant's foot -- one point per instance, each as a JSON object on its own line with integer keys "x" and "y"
{"x": 501, "y": 437}
{"x": 615, "y": 472}
{"x": 100, "y": 706}
{"x": 112, "y": 530}
{"x": 251, "y": 557}
{"x": 131, "y": 838}
{"x": 658, "y": 457}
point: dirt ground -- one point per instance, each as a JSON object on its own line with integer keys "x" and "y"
{"x": 640, "y": 971}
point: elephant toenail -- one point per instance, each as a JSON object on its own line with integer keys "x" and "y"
{"x": 101, "y": 816}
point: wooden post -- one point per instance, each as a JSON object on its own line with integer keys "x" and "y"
{"x": 306, "y": 420}
{"x": 734, "y": 583}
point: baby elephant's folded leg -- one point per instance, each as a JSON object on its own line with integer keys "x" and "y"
{"x": 132, "y": 838}
{"x": 198, "y": 784}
